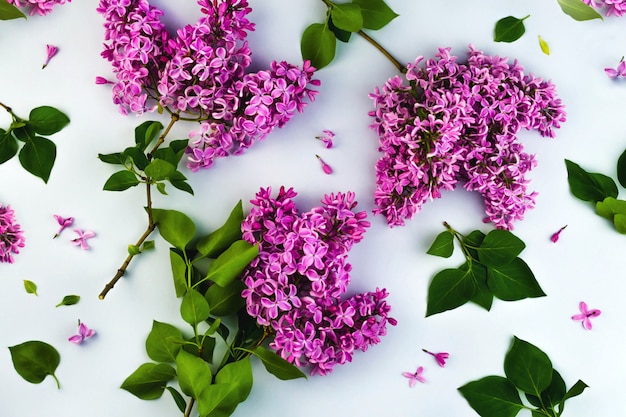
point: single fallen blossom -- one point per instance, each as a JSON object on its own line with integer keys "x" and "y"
{"x": 82, "y": 238}
{"x": 51, "y": 51}
{"x": 63, "y": 222}
{"x": 586, "y": 315}
{"x": 84, "y": 332}
{"x": 555, "y": 236}
{"x": 414, "y": 377}
{"x": 11, "y": 235}
{"x": 325, "y": 167}
{"x": 327, "y": 137}
{"x": 102, "y": 80}
{"x": 439, "y": 357}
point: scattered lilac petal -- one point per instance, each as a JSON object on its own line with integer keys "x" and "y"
{"x": 414, "y": 377}
{"x": 51, "y": 51}
{"x": 325, "y": 167}
{"x": 440, "y": 357}
{"x": 63, "y": 222}
{"x": 620, "y": 71}
{"x": 327, "y": 138}
{"x": 586, "y": 315}
{"x": 102, "y": 80}
{"x": 84, "y": 333}
{"x": 81, "y": 240}
{"x": 555, "y": 236}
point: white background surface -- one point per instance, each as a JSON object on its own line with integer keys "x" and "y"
{"x": 586, "y": 264}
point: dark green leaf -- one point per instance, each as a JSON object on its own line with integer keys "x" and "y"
{"x": 574, "y": 391}
{"x": 499, "y": 248}
{"x": 149, "y": 380}
{"x": 161, "y": 344}
{"x": 8, "y": 146}
{"x": 37, "y": 157}
{"x": 175, "y": 227}
{"x": 443, "y": 245}
{"x": 178, "y": 180}
{"x": 578, "y": 10}
{"x": 276, "y": 365}
{"x": 178, "y": 399}
{"x": 194, "y": 374}
{"x": 621, "y": 169}
{"x": 116, "y": 158}
{"x": 483, "y": 296}
{"x": 552, "y": 395}
{"x": 472, "y": 241}
{"x": 509, "y": 29}
{"x": 30, "y": 287}
{"x": 146, "y": 133}
{"x": 120, "y": 181}
{"x": 179, "y": 272}
{"x": 318, "y": 45}
{"x": 376, "y": 13}
{"x": 47, "y": 120}
{"x": 227, "y": 300}
{"x": 346, "y": 16}
{"x": 69, "y": 300}
{"x": 528, "y": 367}
{"x": 340, "y": 34}
{"x": 513, "y": 281}
{"x": 231, "y": 263}
{"x": 22, "y": 132}
{"x": 35, "y": 360}
{"x": 138, "y": 157}
{"x": 194, "y": 308}
{"x": 161, "y": 188}
{"x": 8, "y": 11}
{"x": 159, "y": 169}
{"x": 208, "y": 347}
{"x": 589, "y": 186}
{"x": 492, "y": 396}
{"x": 448, "y": 290}
{"x": 230, "y": 232}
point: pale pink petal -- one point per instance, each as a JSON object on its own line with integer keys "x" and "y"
{"x": 76, "y": 339}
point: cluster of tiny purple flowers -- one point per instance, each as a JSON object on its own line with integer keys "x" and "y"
{"x": 457, "y": 123}
{"x": 295, "y": 286}
{"x": 201, "y": 73}
{"x": 40, "y": 7}
{"x": 11, "y": 235}
{"x": 611, "y": 7}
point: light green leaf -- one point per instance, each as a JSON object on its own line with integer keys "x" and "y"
{"x": 528, "y": 367}
{"x": 499, "y": 248}
{"x": 376, "y": 13}
{"x": 179, "y": 273}
{"x": 609, "y": 207}
{"x": 175, "y": 227}
{"x": 513, "y": 281}
{"x": 231, "y": 263}
{"x": 194, "y": 308}
{"x": 346, "y": 16}
{"x": 230, "y": 232}
{"x": 8, "y": 11}
{"x": 492, "y": 396}
{"x": 47, "y": 120}
{"x": 578, "y": 10}
{"x": 544, "y": 46}
{"x": 69, "y": 300}
{"x": 37, "y": 156}
{"x": 232, "y": 386}
{"x": 120, "y": 181}
{"x": 318, "y": 45}
{"x": 448, "y": 290}
{"x": 227, "y": 300}
{"x": 116, "y": 158}
{"x": 149, "y": 380}
{"x": 194, "y": 374}
{"x": 35, "y": 360}
{"x": 161, "y": 343}
{"x": 509, "y": 29}
{"x": 443, "y": 245}
{"x": 619, "y": 221}
{"x": 159, "y": 169}
{"x": 276, "y": 365}
{"x": 30, "y": 287}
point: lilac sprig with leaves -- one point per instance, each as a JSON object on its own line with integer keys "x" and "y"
{"x": 492, "y": 268}
{"x": 528, "y": 370}
{"x": 38, "y": 153}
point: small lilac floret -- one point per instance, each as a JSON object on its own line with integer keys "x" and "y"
{"x": 81, "y": 240}
{"x": 414, "y": 377}
{"x": 51, "y": 51}
{"x": 84, "y": 333}
{"x": 64, "y": 222}
{"x": 40, "y": 7}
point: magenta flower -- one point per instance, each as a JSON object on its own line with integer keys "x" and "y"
{"x": 63, "y": 222}
{"x": 51, "y": 51}
{"x": 439, "y": 357}
{"x": 84, "y": 332}
{"x": 325, "y": 167}
{"x": 620, "y": 71}
{"x": 11, "y": 235}
{"x": 102, "y": 80}
{"x": 586, "y": 315}
{"x": 82, "y": 238}
{"x": 555, "y": 236}
{"x": 414, "y": 377}
{"x": 326, "y": 137}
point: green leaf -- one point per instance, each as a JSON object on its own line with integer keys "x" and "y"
{"x": 276, "y": 365}
{"x": 509, "y": 29}
{"x": 37, "y": 157}
{"x": 443, "y": 245}
{"x": 528, "y": 367}
{"x": 587, "y": 186}
{"x": 318, "y": 45}
{"x": 232, "y": 386}
{"x": 619, "y": 221}
{"x": 35, "y": 360}
{"x": 147, "y": 245}
{"x": 146, "y": 133}
{"x": 194, "y": 308}
{"x": 613, "y": 210}
{"x": 47, "y": 120}
{"x": 227, "y": 300}
{"x": 194, "y": 374}
{"x": 473, "y": 241}
{"x": 149, "y": 380}
{"x": 513, "y": 281}
{"x": 621, "y": 169}
{"x": 376, "y": 13}
{"x": 499, "y": 248}
{"x": 578, "y": 10}
{"x": 179, "y": 273}
{"x": 346, "y": 16}
{"x": 116, "y": 158}
{"x": 574, "y": 391}
{"x": 178, "y": 180}
{"x": 448, "y": 290}
{"x": 139, "y": 158}
{"x": 8, "y": 146}
{"x": 8, "y": 11}
{"x": 69, "y": 300}
{"x": 544, "y": 46}
{"x": 161, "y": 188}
{"x": 120, "y": 181}
{"x": 175, "y": 227}
{"x": 30, "y": 287}
{"x": 492, "y": 396}
{"x": 178, "y": 399}
{"x": 552, "y": 395}
{"x": 208, "y": 347}
{"x": 161, "y": 344}
{"x": 229, "y": 265}
{"x": 478, "y": 273}
{"x": 230, "y": 232}
{"x": 159, "y": 169}
{"x": 133, "y": 250}
{"x": 340, "y": 34}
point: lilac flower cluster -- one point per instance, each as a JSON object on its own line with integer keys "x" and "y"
{"x": 41, "y": 7}
{"x": 11, "y": 236}
{"x": 201, "y": 72}
{"x": 458, "y": 123}
{"x": 296, "y": 283}
{"x": 612, "y": 7}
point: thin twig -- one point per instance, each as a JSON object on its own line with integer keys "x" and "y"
{"x": 189, "y": 407}
{"x": 378, "y": 46}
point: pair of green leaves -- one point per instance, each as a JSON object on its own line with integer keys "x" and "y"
{"x": 142, "y": 166}
{"x": 529, "y": 370}
{"x": 492, "y": 268}
{"x": 35, "y": 360}
{"x": 319, "y": 40}
{"x": 38, "y": 153}
{"x": 9, "y": 11}
{"x": 600, "y": 190}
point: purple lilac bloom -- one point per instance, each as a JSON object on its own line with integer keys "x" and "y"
{"x": 457, "y": 123}
{"x": 40, "y": 7}
{"x": 297, "y": 284}
{"x": 201, "y": 72}
{"x": 11, "y": 235}
{"x": 612, "y": 7}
